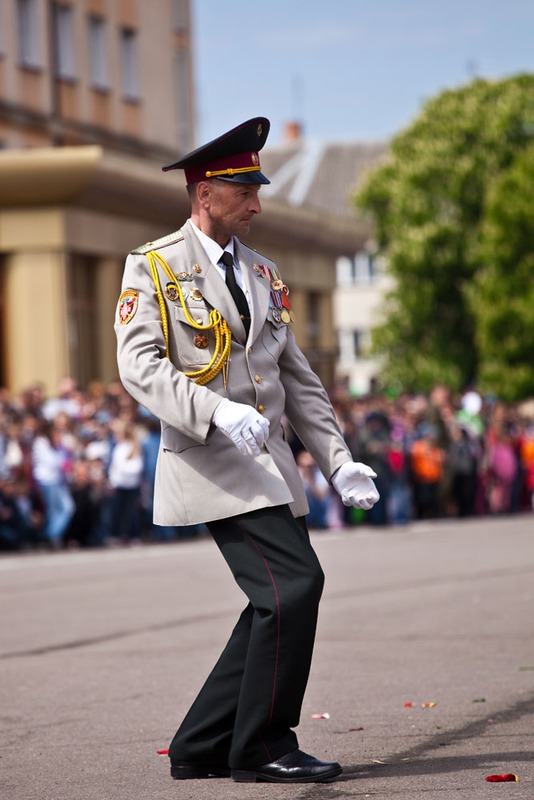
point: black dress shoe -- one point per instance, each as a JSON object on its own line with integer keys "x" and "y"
{"x": 184, "y": 770}
{"x": 294, "y": 767}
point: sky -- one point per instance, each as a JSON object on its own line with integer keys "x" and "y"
{"x": 347, "y": 69}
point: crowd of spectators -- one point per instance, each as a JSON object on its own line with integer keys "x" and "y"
{"x": 435, "y": 455}
{"x": 77, "y": 468}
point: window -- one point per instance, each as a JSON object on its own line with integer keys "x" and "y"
{"x": 129, "y": 64}
{"x": 313, "y": 324}
{"x": 28, "y": 33}
{"x": 360, "y": 343}
{"x": 363, "y": 268}
{"x": 98, "y": 62}
{"x": 344, "y": 271}
{"x": 63, "y": 41}
{"x": 353, "y": 345}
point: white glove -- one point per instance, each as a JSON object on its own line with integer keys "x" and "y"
{"x": 243, "y": 425}
{"x": 352, "y": 481}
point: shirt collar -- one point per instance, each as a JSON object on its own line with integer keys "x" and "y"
{"x": 213, "y": 250}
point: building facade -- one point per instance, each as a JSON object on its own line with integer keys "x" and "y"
{"x": 117, "y": 73}
{"x": 362, "y": 283}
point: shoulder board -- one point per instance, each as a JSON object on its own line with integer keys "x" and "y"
{"x": 252, "y": 250}
{"x": 171, "y": 238}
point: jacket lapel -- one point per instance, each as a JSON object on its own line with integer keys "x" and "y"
{"x": 211, "y": 284}
{"x": 257, "y": 287}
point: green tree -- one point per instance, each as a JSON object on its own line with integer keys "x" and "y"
{"x": 429, "y": 202}
{"x": 502, "y": 293}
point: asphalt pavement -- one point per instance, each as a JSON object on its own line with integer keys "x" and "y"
{"x": 422, "y": 684}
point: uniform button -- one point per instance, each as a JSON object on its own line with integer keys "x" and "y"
{"x": 249, "y": 350}
{"x": 261, "y": 409}
{"x": 199, "y": 321}
{"x": 257, "y": 378}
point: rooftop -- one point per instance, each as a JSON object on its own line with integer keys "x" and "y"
{"x": 319, "y": 175}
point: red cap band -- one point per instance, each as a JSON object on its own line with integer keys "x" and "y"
{"x": 241, "y": 162}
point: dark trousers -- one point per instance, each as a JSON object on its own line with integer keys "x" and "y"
{"x": 245, "y": 712}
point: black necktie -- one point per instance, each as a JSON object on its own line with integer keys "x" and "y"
{"x": 237, "y": 293}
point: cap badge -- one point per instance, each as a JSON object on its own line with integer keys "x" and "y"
{"x": 260, "y": 130}
{"x": 128, "y": 305}
{"x": 254, "y": 158}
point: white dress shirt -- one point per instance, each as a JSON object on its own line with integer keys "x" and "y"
{"x": 215, "y": 251}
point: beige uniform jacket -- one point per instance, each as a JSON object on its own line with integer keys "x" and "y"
{"x": 201, "y": 475}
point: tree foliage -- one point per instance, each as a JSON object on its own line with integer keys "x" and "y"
{"x": 502, "y": 293}
{"x": 451, "y": 238}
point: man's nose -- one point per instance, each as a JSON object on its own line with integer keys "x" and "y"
{"x": 255, "y": 205}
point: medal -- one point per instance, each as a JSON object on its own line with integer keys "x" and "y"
{"x": 200, "y": 340}
{"x": 285, "y": 316}
{"x": 171, "y": 290}
{"x": 276, "y": 315}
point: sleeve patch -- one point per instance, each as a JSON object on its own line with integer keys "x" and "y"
{"x": 128, "y": 305}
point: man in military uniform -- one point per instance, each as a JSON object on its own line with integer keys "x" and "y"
{"x": 204, "y": 342}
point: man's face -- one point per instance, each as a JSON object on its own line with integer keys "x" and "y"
{"x": 230, "y": 208}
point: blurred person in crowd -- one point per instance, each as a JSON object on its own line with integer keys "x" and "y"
{"x": 426, "y": 468}
{"x": 98, "y": 442}
{"x": 501, "y": 465}
{"x": 15, "y": 533}
{"x": 349, "y": 425}
{"x": 469, "y": 415}
{"x": 125, "y": 478}
{"x": 440, "y": 415}
{"x": 31, "y": 399}
{"x": 12, "y": 459}
{"x": 526, "y": 450}
{"x": 463, "y": 458}
{"x": 83, "y": 527}
{"x": 399, "y": 506}
{"x": 103, "y": 497}
{"x": 66, "y": 400}
{"x": 317, "y": 490}
{"x": 67, "y": 433}
{"x": 49, "y": 466}
{"x": 375, "y": 443}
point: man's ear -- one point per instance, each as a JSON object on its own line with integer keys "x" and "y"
{"x": 203, "y": 192}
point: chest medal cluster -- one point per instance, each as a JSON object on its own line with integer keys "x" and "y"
{"x": 279, "y": 302}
